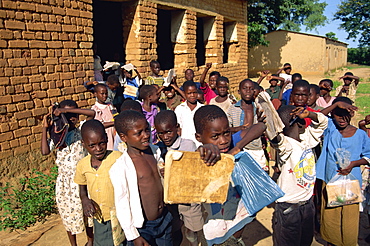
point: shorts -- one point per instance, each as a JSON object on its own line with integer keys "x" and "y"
{"x": 192, "y": 216}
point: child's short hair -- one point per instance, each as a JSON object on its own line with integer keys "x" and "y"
{"x": 256, "y": 86}
{"x": 207, "y": 114}
{"x": 146, "y": 91}
{"x": 284, "y": 113}
{"x": 97, "y": 86}
{"x": 188, "y": 84}
{"x": 214, "y": 73}
{"x": 329, "y": 81}
{"x": 287, "y": 64}
{"x": 152, "y": 62}
{"x": 244, "y": 81}
{"x": 112, "y": 79}
{"x": 166, "y": 117}
{"x": 131, "y": 105}
{"x": 126, "y": 119}
{"x": 69, "y": 103}
{"x": 92, "y": 126}
{"x": 348, "y": 73}
{"x": 200, "y": 92}
{"x": 301, "y": 83}
{"x": 189, "y": 69}
{"x": 297, "y": 75}
{"x": 343, "y": 99}
{"x": 222, "y": 78}
{"x": 315, "y": 87}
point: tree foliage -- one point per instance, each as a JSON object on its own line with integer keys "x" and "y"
{"x": 360, "y": 55}
{"x": 355, "y": 15}
{"x": 269, "y": 15}
{"x": 331, "y": 35}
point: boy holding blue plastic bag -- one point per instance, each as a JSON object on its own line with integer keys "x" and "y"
{"x": 293, "y": 219}
{"x": 225, "y": 222}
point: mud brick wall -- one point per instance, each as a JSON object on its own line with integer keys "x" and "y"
{"x": 45, "y": 56}
{"x": 140, "y": 36}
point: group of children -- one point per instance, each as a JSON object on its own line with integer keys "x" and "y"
{"x": 111, "y": 165}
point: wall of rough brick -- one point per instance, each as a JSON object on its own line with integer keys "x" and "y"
{"x": 45, "y": 56}
{"x": 141, "y": 37}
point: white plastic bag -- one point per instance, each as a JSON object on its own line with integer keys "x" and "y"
{"x": 343, "y": 189}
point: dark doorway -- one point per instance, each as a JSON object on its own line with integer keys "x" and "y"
{"x": 165, "y": 46}
{"x": 200, "y": 45}
{"x": 108, "y": 29}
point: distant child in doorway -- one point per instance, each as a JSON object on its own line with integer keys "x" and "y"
{"x": 154, "y": 77}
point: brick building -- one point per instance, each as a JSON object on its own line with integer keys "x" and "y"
{"x": 46, "y": 50}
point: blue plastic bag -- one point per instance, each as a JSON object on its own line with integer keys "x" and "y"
{"x": 255, "y": 187}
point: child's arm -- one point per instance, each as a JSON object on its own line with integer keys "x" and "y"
{"x": 204, "y": 74}
{"x": 137, "y": 72}
{"x": 209, "y": 153}
{"x": 46, "y": 123}
{"x": 347, "y": 170}
{"x": 87, "y": 204}
{"x": 342, "y": 105}
{"x": 282, "y": 90}
{"x": 87, "y": 112}
{"x": 362, "y": 123}
{"x": 181, "y": 93}
{"x": 262, "y": 76}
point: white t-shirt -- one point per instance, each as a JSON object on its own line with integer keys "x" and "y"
{"x": 297, "y": 162}
{"x": 185, "y": 118}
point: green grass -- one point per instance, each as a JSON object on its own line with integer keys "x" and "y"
{"x": 337, "y": 83}
{"x": 354, "y": 67}
{"x": 363, "y": 104}
{"x": 363, "y": 89}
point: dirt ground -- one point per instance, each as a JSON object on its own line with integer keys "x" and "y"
{"x": 259, "y": 232}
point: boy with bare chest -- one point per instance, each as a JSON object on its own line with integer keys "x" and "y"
{"x": 138, "y": 190}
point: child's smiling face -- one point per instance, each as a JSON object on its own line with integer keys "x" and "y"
{"x": 138, "y": 135}
{"x": 216, "y": 132}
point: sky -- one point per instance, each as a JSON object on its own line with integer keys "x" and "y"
{"x": 332, "y": 26}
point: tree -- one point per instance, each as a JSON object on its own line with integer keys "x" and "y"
{"x": 331, "y": 35}
{"x": 269, "y": 15}
{"x": 355, "y": 15}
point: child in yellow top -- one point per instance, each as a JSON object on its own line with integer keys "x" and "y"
{"x": 92, "y": 175}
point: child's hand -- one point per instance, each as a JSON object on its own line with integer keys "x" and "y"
{"x": 208, "y": 65}
{"x": 265, "y": 73}
{"x": 140, "y": 241}
{"x": 326, "y": 86}
{"x": 46, "y": 122}
{"x": 348, "y": 107}
{"x": 261, "y": 117}
{"x": 345, "y": 171}
{"x": 88, "y": 207}
{"x": 367, "y": 119}
{"x": 300, "y": 112}
{"x": 209, "y": 153}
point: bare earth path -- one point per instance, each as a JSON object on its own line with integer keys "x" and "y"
{"x": 259, "y": 232}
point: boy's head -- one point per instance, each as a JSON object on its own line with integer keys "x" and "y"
{"x": 326, "y": 86}
{"x": 155, "y": 67}
{"x": 127, "y": 74}
{"x": 257, "y": 89}
{"x": 200, "y": 97}
{"x": 292, "y": 125}
{"x": 300, "y": 93}
{"x": 212, "y": 127}
{"x": 314, "y": 95}
{"x": 287, "y": 68}
{"x": 71, "y": 117}
{"x": 342, "y": 117}
{"x": 189, "y": 74}
{"x": 133, "y": 129}
{"x": 101, "y": 93}
{"x": 169, "y": 92}
{"x": 94, "y": 139}
{"x": 191, "y": 91}
{"x": 347, "y": 80}
{"x": 222, "y": 86}
{"x": 149, "y": 93}
{"x": 246, "y": 90}
{"x": 113, "y": 82}
{"x": 296, "y": 76}
{"x": 273, "y": 82}
{"x": 131, "y": 105}
{"x": 167, "y": 127}
{"x": 213, "y": 76}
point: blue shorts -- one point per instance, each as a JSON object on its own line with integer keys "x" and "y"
{"x": 157, "y": 232}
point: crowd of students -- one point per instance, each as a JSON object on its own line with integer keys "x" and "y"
{"x": 111, "y": 165}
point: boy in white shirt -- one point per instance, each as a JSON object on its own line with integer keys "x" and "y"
{"x": 293, "y": 219}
